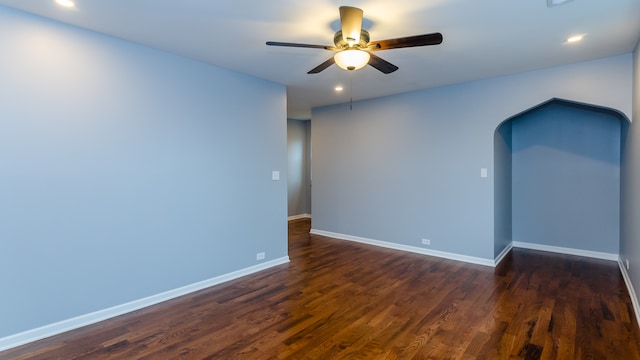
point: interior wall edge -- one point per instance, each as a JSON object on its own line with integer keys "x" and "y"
{"x": 567, "y": 251}
{"x": 503, "y": 254}
{"x": 630, "y": 289}
{"x": 299, "y": 216}
{"x": 407, "y": 248}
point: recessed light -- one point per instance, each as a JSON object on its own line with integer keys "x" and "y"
{"x": 339, "y": 88}
{"x": 551, "y": 3}
{"x": 66, "y": 3}
{"x": 575, "y": 38}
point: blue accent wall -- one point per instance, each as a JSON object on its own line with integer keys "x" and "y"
{"x": 566, "y": 177}
{"x": 406, "y": 167}
{"x": 126, "y": 172}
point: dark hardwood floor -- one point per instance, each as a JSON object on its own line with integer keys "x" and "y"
{"x": 343, "y": 300}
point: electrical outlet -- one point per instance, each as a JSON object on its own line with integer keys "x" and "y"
{"x": 426, "y": 242}
{"x": 260, "y": 256}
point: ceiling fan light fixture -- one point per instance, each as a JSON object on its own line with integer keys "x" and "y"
{"x": 352, "y": 59}
{"x": 353, "y": 52}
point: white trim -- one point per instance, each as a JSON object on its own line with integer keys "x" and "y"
{"x": 28, "y": 336}
{"x": 567, "y": 251}
{"x": 409, "y": 248}
{"x": 301, "y": 216}
{"x": 503, "y": 254}
{"x": 632, "y": 292}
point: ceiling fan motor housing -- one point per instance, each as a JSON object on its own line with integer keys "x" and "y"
{"x": 354, "y": 49}
{"x": 342, "y": 44}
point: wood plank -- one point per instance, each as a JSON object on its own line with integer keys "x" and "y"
{"x": 344, "y": 300}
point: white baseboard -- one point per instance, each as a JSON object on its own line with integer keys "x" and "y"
{"x": 567, "y": 251}
{"x": 301, "y": 216}
{"x": 632, "y": 292}
{"x": 503, "y": 254}
{"x": 409, "y": 248}
{"x": 28, "y": 336}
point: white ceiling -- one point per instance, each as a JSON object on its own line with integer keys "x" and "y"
{"x": 481, "y": 38}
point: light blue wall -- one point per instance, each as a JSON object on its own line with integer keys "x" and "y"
{"x": 630, "y": 224}
{"x": 502, "y": 185}
{"x": 407, "y": 167}
{"x": 126, "y": 172}
{"x": 299, "y": 171}
{"x": 566, "y": 177}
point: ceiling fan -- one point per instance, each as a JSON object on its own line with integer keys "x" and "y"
{"x": 353, "y": 48}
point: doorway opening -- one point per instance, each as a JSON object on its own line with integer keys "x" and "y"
{"x": 299, "y": 168}
{"x": 557, "y": 178}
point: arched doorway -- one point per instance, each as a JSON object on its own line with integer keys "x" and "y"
{"x": 557, "y": 179}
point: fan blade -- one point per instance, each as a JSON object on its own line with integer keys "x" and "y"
{"x": 404, "y": 42}
{"x": 351, "y": 20}
{"x": 322, "y": 66}
{"x": 381, "y": 64}
{"x": 275, "y": 43}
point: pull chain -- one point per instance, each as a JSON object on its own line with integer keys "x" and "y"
{"x": 350, "y": 91}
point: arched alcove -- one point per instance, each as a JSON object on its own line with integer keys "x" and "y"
{"x": 557, "y": 178}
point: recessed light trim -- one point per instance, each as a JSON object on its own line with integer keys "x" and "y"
{"x": 574, "y": 39}
{"x": 66, "y": 3}
{"x": 338, "y": 88}
{"x": 552, "y": 3}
